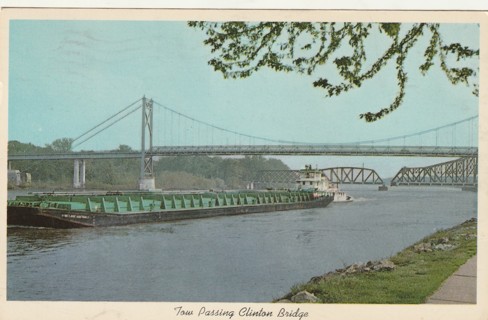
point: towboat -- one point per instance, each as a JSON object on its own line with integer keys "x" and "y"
{"x": 315, "y": 180}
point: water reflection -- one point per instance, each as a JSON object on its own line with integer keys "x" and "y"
{"x": 22, "y": 240}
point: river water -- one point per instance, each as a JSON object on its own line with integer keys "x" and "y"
{"x": 253, "y": 258}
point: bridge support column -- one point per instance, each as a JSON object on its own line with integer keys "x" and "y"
{"x": 76, "y": 174}
{"x": 147, "y": 184}
{"x": 82, "y": 174}
{"x": 79, "y": 174}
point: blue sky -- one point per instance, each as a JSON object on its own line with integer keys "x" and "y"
{"x": 67, "y": 76}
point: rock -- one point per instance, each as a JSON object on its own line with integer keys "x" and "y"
{"x": 470, "y": 221}
{"x": 316, "y": 279}
{"x": 470, "y": 236}
{"x": 465, "y": 236}
{"x": 354, "y": 268}
{"x": 445, "y": 240}
{"x": 370, "y": 266}
{"x": 443, "y": 247}
{"x": 304, "y": 297}
{"x": 326, "y": 276}
{"x": 423, "y": 247}
{"x": 442, "y": 240}
{"x": 384, "y": 265}
{"x": 283, "y": 301}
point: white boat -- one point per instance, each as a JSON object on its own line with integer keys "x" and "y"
{"x": 339, "y": 196}
{"x": 316, "y": 180}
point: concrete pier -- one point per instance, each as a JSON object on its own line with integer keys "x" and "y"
{"x": 79, "y": 174}
{"x": 147, "y": 184}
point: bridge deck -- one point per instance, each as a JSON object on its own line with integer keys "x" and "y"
{"x": 325, "y": 149}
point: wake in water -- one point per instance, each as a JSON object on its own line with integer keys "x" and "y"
{"x": 362, "y": 199}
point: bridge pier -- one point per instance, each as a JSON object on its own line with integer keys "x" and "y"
{"x": 79, "y": 174}
{"x": 147, "y": 184}
{"x": 82, "y": 174}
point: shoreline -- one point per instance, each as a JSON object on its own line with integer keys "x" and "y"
{"x": 409, "y": 277}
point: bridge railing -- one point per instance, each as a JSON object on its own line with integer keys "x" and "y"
{"x": 324, "y": 149}
{"x": 76, "y": 155}
{"x": 318, "y": 149}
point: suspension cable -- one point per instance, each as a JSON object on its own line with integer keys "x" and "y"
{"x": 106, "y": 127}
{"x": 308, "y": 143}
{"x": 251, "y": 137}
{"x": 227, "y": 130}
{"x": 106, "y": 120}
{"x": 416, "y": 133}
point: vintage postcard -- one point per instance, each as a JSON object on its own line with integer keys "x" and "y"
{"x": 243, "y": 164}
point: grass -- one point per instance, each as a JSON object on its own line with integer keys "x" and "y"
{"x": 417, "y": 275}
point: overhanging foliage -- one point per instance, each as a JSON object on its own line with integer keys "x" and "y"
{"x": 242, "y": 48}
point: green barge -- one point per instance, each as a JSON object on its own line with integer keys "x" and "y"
{"x": 54, "y": 210}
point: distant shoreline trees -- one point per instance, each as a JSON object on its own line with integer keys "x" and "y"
{"x": 197, "y": 172}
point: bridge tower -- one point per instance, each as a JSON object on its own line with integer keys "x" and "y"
{"x": 146, "y": 179}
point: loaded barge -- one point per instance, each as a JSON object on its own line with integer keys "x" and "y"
{"x": 75, "y": 211}
{"x": 117, "y": 208}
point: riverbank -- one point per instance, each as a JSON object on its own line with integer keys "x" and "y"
{"x": 409, "y": 277}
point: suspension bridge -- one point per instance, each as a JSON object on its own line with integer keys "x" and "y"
{"x": 436, "y": 142}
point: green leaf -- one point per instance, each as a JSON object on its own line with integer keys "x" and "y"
{"x": 391, "y": 29}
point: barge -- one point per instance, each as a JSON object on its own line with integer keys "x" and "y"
{"x": 53, "y": 210}
{"x": 75, "y": 211}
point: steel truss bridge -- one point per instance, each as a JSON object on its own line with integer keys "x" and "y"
{"x": 458, "y": 172}
{"x": 286, "y": 179}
